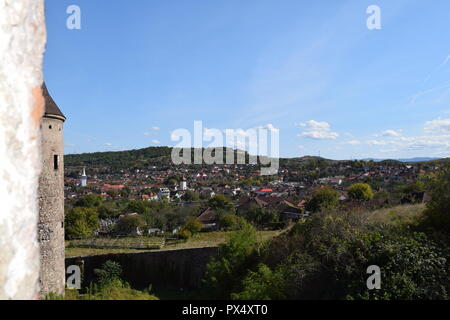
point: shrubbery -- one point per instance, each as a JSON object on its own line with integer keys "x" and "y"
{"x": 232, "y": 262}
{"x": 437, "y": 214}
{"x": 360, "y": 191}
{"x": 323, "y": 199}
{"x": 326, "y": 256}
{"x": 108, "y": 286}
{"x": 81, "y": 222}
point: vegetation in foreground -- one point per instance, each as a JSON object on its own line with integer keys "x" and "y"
{"x": 326, "y": 257}
{"x": 77, "y": 248}
{"x": 108, "y": 286}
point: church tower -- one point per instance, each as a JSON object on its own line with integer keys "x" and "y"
{"x": 51, "y": 199}
{"x": 83, "y": 179}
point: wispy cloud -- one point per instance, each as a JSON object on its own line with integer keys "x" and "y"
{"x": 419, "y": 94}
{"x": 389, "y": 133}
{"x": 353, "y": 142}
{"x": 435, "y": 140}
{"x": 440, "y": 66}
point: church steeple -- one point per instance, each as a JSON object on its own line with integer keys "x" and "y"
{"x": 83, "y": 180}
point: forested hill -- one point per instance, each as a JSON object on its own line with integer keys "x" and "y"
{"x": 121, "y": 159}
{"x": 157, "y": 156}
{"x": 160, "y": 156}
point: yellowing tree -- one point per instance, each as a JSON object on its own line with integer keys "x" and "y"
{"x": 360, "y": 191}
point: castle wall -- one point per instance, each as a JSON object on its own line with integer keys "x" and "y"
{"x": 51, "y": 208}
{"x": 183, "y": 268}
{"x": 22, "y": 44}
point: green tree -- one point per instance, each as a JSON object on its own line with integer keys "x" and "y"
{"x": 231, "y": 222}
{"x": 193, "y": 225}
{"x": 190, "y": 196}
{"x": 437, "y": 213}
{"x": 323, "y": 199}
{"x": 225, "y": 270}
{"x": 360, "y": 191}
{"x": 264, "y": 284}
{"x": 90, "y": 201}
{"x": 260, "y": 217}
{"x": 107, "y": 210}
{"x": 137, "y": 206}
{"x": 109, "y": 274}
{"x": 221, "y": 202}
{"x": 81, "y": 222}
{"x": 130, "y": 224}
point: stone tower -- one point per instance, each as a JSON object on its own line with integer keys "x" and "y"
{"x": 51, "y": 199}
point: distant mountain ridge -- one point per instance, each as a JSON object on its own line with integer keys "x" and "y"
{"x": 417, "y": 159}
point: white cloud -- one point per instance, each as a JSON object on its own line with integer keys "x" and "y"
{"x": 269, "y": 127}
{"x": 156, "y": 128}
{"x": 108, "y": 144}
{"x": 353, "y": 142}
{"x": 378, "y": 142}
{"x": 317, "y": 130}
{"x": 438, "y": 126}
{"x": 156, "y": 141}
{"x": 391, "y": 133}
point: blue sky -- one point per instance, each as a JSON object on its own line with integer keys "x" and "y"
{"x": 137, "y": 70}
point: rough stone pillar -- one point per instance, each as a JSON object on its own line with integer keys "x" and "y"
{"x": 22, "y": 44}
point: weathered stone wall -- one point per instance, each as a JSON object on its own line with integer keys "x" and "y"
{"x": 173, "y": 268}
{"x": 22, "y": 44}
{"x": 51, "y": 207}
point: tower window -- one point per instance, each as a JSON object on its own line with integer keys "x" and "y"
{"x": 50, "y": 126}
{"x": 55, "y": 162}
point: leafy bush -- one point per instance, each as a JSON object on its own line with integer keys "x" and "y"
{"x": 323, "y": 199}
{"x": 90, "y": 201}
{"x": 109, "y": 274}
{"x": 109, "y": 286}
{"x": 193, "y": 225}
{"x": 326, "y": 257}
{"x": 81, "y": 222}
{"x": 184, "y": 234}
{"x": 260, "y": 217}
{"x": 231, "y": 222}
{"x": 220, "y": 201}
{"x": 129, "y": 224}
{"x": 360, "y": 191}
{"x": 437, "y": 213}
{"x": 264, "y": 284}
{"x": 225, "y": 271}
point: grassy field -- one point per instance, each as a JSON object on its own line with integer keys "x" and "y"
{"x": 75, "y": 248}
{"x": 408, "y": 214}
